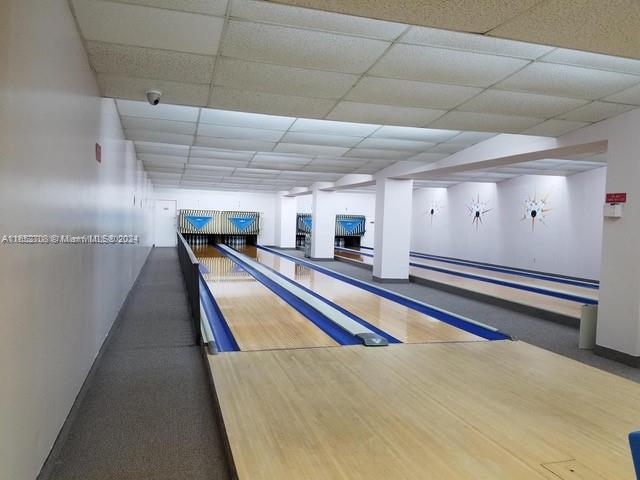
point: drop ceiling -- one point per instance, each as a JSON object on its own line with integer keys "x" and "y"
{"x": 215, "y": 59}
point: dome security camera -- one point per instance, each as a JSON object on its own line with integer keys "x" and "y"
{"x": 153, "y": 97}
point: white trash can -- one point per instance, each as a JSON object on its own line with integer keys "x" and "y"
{"x": 588, "y": 326}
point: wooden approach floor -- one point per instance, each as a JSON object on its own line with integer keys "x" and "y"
{"x": 474, "y": 410}
{"x": 548, "y": 303}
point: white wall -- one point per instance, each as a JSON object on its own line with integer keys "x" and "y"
{"x": 57, "y": 302}
{"x": 265, "y": 203}
{"x": 350, "y": 204}
{"x": 568, "y": 242}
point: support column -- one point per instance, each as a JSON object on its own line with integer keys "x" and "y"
{"x": 392, "y": 238}
{"x": 285, "y": 235}
{"x": 323, "y": 227}
{"x": 618, "y": 334}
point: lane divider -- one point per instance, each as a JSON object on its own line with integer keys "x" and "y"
{"x": 505, "y": 283}
{"x": 223, "y": 337}
{"x": 472, "y": 326}
{"x": 341, "y": 327}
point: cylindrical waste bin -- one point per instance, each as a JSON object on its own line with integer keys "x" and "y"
{"x": 588, "y": 325}
{"x": 307, "y": 245}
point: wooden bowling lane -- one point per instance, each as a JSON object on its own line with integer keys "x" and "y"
{"x": 476, "y": 410}
{"x": 405, "y": 324}
{"x": 257, "y": 317}
{"x": 539, "y": 301}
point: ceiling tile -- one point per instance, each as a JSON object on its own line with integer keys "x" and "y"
{"x": 448, "y": 148}
{"x": 628, "y": 95}
{"x": 216, "y": 162}
{"x": 567, "y": 81}
{"x": 485, "y": 121}
{"x": 280, "y": 158}
{"x": 263, "y": 77}
{"x": 208, "y": 170}
{"x": 315, "y": 19}
{"x": 596, "y": 111}
{"x": 593, "y": 60}
{"x": 128, "y": 108}
{"x": 310, "y": 149}
{"x": 233, "y": 144}
{"x": 162, "y": 149}
{"x": 520, "y": 103}
{"x": 473, "y": 43}
{"x": 169, "y": 126}
{"x": 150, "y": 165}
{"x": 219, "y": 131}
{"x": 208, "y": 7}
{"x": 149, "y": 63}
{"x": 383, "y": 114}
{"x": 221, "y": 154}
{"x": 419, "y": 134}
{"x": 408, "y": 93}
{"x": 554, "y": 128}
{"x": 300, "y": 48}
{"x": 159, "y": 159}
{"x": 270, "y": 103}
{"x": 395, "y": 144}
{"x": 428, "y": 157}
{"x": 428, "y": 64}
{"x": 378, "y": 154}
{"x": 161, "y": 137}
{"x": 243, "y": 119}
{"x": 147, "y": 27}
{"x": 471, "y": 138}
{"x": 118, "y": 86}
{"x": 321, "y": 139}
{"x": 333, "y": 128}
{"x": 255, "y": 172}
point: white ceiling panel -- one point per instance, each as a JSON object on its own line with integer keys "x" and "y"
{"x": 567, "y": 81}
{"x": 333, "y": 128}
{"x": 233, "y": 144}
{"x": 419, "y": 134}
{"x": 310, "y": 149}
{"x": 162, "y": 149}
{"x": 428, "y": 157}
{"x": 147, "y": 27}
{"x": 277, "y": 157}
{"x": 263, "y": 77}
{"x": 485, "y": 121}
{"x": 256, "y": 172}
{"x": 160, "y": 159}
{"x": 321, "y": 139}
{"x": 520, "y": 103}
{"x": 596, "y": 111}
{"x": 383, "y": 114}
{"x": 271, "y": 103}
{"x": 395, "y": 144}
{"x": 222, "y": 154}
{"x": 473, "y": 43}
{"x": 242, "y": 119}
{"x": 177, "y": 113}
{"x": 428, "y": 64}
{"x": 150, "y": 165}
{"x": 448, "y": 148}
{"x": 208, "y": 7}
{"x": 169, "y": 126}
{"x": 300, "y": 48}
{"x": 160, "y": 137}
{"x": 628, "y": 95}
{"x": 388, "y": 91}
{"x": 208, "y": 170}
{"x": 149, "y": 63}
{"x": 133, "y": 88}
{"x": 315, "y": 19}
{"x": 554, "y": 128}
{"x": 216, "y": 162}
{"x": 378, "y": 154}
{"x": 471, "y": 138}
{"x": 252, "y": 134}
{"x": 593, "y": 60}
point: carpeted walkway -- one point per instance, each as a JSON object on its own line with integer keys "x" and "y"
{"x": 530, "y": 328}
{"x": 146, "y": 411}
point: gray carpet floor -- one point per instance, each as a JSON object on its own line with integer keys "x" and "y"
{"x": 534, "y": 329}
{"x": 146, "y": 410}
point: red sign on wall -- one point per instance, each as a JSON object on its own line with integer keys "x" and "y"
{"x": 616, "y": 198}
{"x": 98, "y": 153}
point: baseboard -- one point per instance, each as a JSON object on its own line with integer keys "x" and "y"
{"x": 49, "y": 463}
{"x": 611, "y": 354}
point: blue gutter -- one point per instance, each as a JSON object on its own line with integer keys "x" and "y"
{"x": 634, "y": 443}
{"x": 225, "y": 341}
{"x": 342, "y": 310}
{"x": 504, "y": 283}
{"x": 323, "y": 323}
{"x": 485, "y": 332}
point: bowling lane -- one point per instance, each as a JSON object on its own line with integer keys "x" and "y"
{"x": 257, "y": 317}
{"x": 405, "y": 324}
{"x": 536, "y": 300}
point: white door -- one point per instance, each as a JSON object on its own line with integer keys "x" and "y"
{"x": 166, "y": 223}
